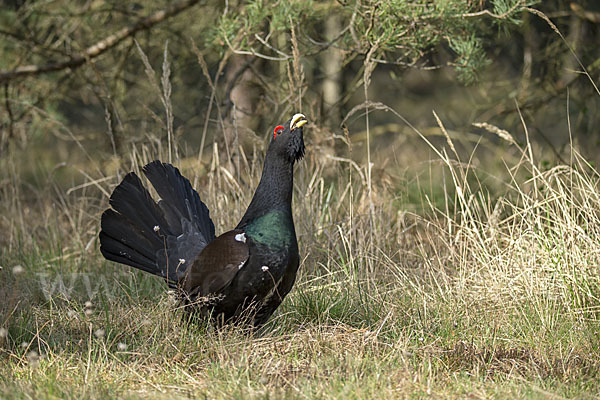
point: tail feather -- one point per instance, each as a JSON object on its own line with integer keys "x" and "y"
{"x": 156, "y": 237}
{"x": 179, "y": 200}
{"x": 114, "y": 250}
{"x": 132, "y": 200}
{"x": 128, "y": 235}
{"x": 118, "y": 228}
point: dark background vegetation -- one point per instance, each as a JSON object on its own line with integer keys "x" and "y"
{"x": 238, "y": 68}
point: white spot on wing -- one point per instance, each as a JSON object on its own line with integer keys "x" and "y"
{"x": 241, "y": 237}
{"x": 241, "y": 265}
{"x": 264, "y": 268}
{"x": 156, "y": 228}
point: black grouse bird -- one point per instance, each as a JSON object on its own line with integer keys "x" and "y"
{"x": 245, "y": 273}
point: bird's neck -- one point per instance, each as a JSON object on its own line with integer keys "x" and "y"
{"x": 274, "y": 192}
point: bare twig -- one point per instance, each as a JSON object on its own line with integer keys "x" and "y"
{"x": 264, "y": 42}
{"x": 491, "y": 14}
{"x": 166, "y": 98}
{"x": 11, "y": 118}
{"x": 254, "y": 53}
{"x": 213, "y": 86}
{"x": 364, "y": 105}
{"x": 101, "y": 46}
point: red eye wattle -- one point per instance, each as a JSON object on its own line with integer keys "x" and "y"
{"x": 276, "y": 131}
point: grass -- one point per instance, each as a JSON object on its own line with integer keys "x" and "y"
{"x": 483, "y": 290}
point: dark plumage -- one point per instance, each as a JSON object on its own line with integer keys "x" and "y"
{"x": 243, "y": 274}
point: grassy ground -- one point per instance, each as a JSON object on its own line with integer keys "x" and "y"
{"x": 479, "y": 293}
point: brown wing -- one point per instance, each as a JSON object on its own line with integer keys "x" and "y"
{"x": 217, "y": 264}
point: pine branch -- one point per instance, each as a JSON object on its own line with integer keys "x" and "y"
{"x": 101, "y": 46}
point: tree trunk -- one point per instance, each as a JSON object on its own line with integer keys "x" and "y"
{"x": 241, "y": 119}
{"x": 332, "y": 66}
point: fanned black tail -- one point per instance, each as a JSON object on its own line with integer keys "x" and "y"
{"x": 157, "y": 238}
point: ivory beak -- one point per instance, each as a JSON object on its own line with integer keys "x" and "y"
{"x": 298, "y": 120}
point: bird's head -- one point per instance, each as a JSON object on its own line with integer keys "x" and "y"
{"x": 287, "y": 139}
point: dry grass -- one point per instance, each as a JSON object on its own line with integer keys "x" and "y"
{"x": 489, "y": 290}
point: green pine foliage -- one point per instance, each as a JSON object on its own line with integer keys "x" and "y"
{"x": 404, "y": 32}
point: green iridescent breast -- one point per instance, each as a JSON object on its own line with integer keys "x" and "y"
{"x": 274, "y": 230}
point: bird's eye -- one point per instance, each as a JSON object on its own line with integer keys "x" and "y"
{"x": 276, "y": 131}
